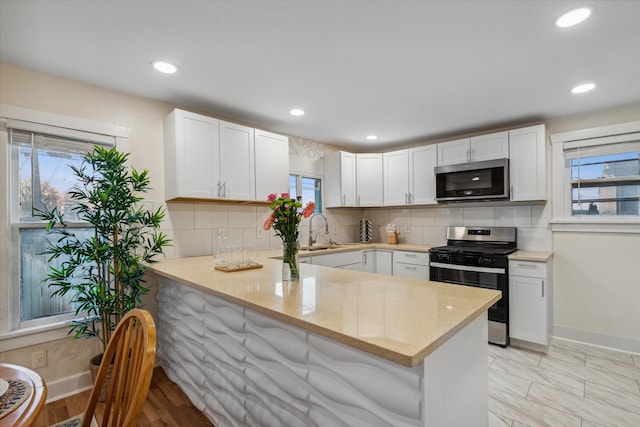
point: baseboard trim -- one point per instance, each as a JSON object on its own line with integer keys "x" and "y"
{"x": 65, "y": 387}
{"x": 613, "y": 342}
{"x": 74, "y": 384}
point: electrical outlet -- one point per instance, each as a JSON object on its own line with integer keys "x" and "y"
{"x": 259, "y": 234}
{"x": 39, "y": 359}
{"x": 407, "y": 229}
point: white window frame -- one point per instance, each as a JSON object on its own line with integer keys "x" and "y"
{"x": 13, "y": 334}
{"x": 300, "y": 175}
{"x": 562, "y": 220}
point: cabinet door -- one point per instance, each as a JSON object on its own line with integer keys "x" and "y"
{"x": 339, "y": 179}
{"x": 369, "y": 261}
{"x": 237, "y": 161}
{"x": 527, "y": 163}
{"x": 528, "y": 309}
{"x": 192, "y": 147}
{"x": 272, "y": 164}
{"x": 384, "y": 262}
{"x": 353, "y": 267}
{"x": 396, "y": 178}
{"x": 489, "y": 147}
{"x": 422, "y": 183}
{"x": 348, "y": 179}
{"x": 369, "y": 182}
{"x": 453, "y": 152}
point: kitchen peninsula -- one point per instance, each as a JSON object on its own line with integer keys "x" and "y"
{"x": 336, "y": 348}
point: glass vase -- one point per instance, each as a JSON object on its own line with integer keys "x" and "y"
{"x": 290, "y": 264}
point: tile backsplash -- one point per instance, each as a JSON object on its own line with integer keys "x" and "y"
{"x": 194, "y": 227}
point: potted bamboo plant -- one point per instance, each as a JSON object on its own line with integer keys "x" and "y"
{"x": 103, "y": 270}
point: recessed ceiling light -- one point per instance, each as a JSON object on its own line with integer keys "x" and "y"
{"x": 296, "y": 112}
{"x": 371, "y": 137}
{"x": 586, "y": 87}
{"x": 574, "y": 17}
{"x": 164, "y": 67}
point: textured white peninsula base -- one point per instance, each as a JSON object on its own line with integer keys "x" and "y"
{"x": 243, "y": 368}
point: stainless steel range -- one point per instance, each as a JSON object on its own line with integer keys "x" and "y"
{"x": 477, "y": 256}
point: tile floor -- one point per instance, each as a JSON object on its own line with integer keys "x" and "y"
{"x": 574, "y": 385}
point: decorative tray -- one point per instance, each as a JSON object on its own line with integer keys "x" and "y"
{"x": 230, "y": 268}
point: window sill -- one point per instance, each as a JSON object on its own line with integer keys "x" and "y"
{"x": 597, "y": 225}
{"x": 34, "y": 335}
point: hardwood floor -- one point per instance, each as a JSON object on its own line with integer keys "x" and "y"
{"x": 166, "y": 405}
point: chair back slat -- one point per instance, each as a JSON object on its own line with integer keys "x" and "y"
{"x": 132, "y": 349}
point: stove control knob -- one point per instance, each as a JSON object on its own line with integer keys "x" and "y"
{"x": 444, "y": 257}
{"x": 487, "y": 261}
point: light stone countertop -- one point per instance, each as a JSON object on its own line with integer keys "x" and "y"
{"x": 346, "y": 247}
{"x": 399, "y": 319}
{"x": 530, "y": 256}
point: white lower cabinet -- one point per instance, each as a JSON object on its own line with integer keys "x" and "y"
{"x": 346, "y": 260}
{"x": 377, "y": 261}
{"x": 414, "y": 265}
{"x": 530, "y": 297}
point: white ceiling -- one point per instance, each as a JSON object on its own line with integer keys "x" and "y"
{"x": 404, "y": 70}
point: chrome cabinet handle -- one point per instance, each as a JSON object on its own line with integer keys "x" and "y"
{"x": 406, "y": 267}
{"x": 511, "y": 193}
{"x": 543, "y": 289}
{"x": 358, "y": 201}
{"x": 224, "y": 189}
{"x": 219, "y": 189}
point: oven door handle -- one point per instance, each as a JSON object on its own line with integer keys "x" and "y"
{"x": 468, "y": 268}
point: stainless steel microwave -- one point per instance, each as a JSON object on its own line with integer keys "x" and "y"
{"x": 486, "y": 180}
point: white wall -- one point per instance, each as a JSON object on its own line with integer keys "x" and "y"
{"x": 597, "y": 275}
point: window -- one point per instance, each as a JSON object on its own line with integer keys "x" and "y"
{"x": 41, "y": 177}
{"x": 596, "y": 179}
{"x": 310, "y": 189}
{"x": 605, "y": 180}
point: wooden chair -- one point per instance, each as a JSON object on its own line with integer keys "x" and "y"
{"x": 132, "y": 348}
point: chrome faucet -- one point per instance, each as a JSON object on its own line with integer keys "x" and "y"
{"x": 326, "y": 227}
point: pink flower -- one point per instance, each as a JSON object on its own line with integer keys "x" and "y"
{"x": 271, "y": 197}
{"x": 269, "y": 222}
{"x": 285, "y": 195}
{"x": 277, "y": 208}
{"x": 308, "y": 210}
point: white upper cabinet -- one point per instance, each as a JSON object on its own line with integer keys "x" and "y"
{"x": 409, "y": 177}
{"x": 237, "y": 162}
{"x": 340, "y": 179}
{"x": 271, "y": 150}
{"x": 453, "y": 152}
{"x": 489, "y": 147}
{"x": 396, "y": 178}
{"x": 475, "y": 149}
{"x": 353, "y": 179}
{"x": 369, "y": 181}
{"x": 210, "y": 159}
{"x": 422, "y": 185}
{"x": 527, "y": 164}
{"x": 192, "y": 150}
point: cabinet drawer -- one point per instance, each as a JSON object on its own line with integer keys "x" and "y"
{"x": 528, "y": 269}
{"x": 411, "y": 271}
{"x": 420, "y": 258}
